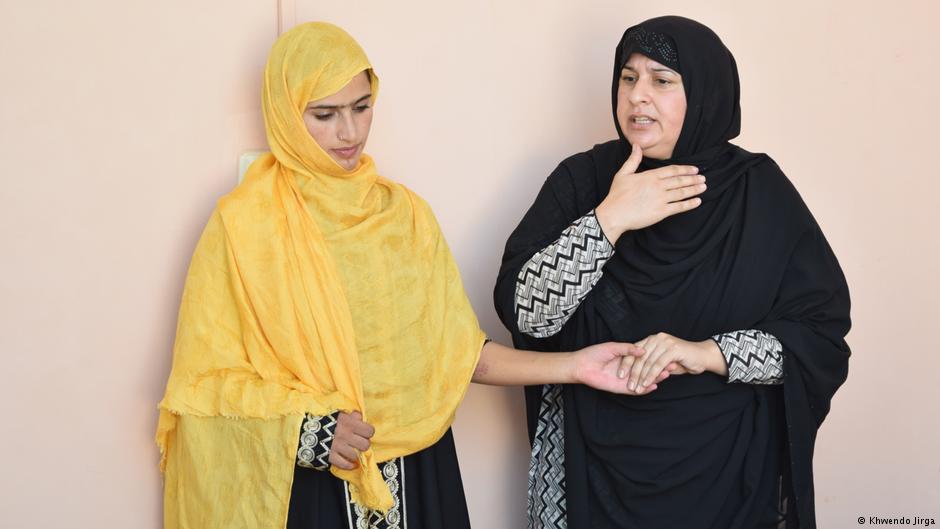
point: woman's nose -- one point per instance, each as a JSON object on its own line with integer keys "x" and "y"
{"x": 640, "y": 93}
{"x": 346, "y": 129}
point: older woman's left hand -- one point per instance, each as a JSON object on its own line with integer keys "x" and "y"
{"x": 661, "y": 351}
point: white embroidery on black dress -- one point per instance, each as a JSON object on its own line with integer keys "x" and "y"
{"x": 753, "y": 356}
{"x": 316, "y": 439}
{"x": 547, "y": 506}
{"x": 555, "y": 280}
{"x": 360, "y": 517}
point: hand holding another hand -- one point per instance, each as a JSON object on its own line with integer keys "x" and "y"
{"x": 598, "y": 366}
{"x": 663, "y": 351}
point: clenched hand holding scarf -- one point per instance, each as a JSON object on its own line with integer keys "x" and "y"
{"x": 312, "y": 289}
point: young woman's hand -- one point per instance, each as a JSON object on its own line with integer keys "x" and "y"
{"x": 598, "y": 366}
{"x": 351, "y": 436}
{"x": 637, "y": 200}
{"x": 663, "y": 351}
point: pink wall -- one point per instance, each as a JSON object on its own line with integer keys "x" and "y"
{"x": 120, "y": 125}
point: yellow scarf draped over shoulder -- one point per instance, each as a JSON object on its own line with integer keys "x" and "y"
{"x": 312, "y": 289}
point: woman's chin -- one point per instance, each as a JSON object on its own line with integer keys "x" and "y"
{"x": 347, "y": 163}
{"x": 651, "y": 149}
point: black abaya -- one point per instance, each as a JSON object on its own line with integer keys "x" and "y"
{"x": 697, "y": 452}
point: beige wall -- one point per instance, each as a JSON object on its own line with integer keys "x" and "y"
{"x": 122, "y": 122}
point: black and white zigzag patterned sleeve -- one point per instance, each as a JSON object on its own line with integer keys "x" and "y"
{"x": 753, "y": 356}
{"x": 316, "y": 439}
{"x": 555, "y": 280}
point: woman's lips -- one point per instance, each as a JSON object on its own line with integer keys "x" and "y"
{"x": 347, "y": 152}
{"x": 640, "y": 122}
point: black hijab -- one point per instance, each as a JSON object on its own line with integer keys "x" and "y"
{"x": 709, "y": 76}
{"x": 750, "y": 257}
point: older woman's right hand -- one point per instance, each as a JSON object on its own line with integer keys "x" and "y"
{"x": 351, "y": 437}
{"x": 637, "y": 200}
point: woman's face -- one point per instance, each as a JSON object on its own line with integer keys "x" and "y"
{"x": 340, "y": 123}
{"x": 650, "y": 106}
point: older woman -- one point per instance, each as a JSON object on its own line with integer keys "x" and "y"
{"x": 705, "y": 256}
{"x": 324, "y": 338}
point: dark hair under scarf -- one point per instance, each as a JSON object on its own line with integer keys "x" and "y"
{"x": 697, "y": 452}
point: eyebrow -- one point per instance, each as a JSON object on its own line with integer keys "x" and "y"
{"x": 337, "y": 107}
{"x": 658, "y": 69}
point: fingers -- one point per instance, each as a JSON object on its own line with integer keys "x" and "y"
{"x": 657, "y": 360}
{"x": 652, "y": 368}
{"x": 629, "y": 349}
{"x": 683, "y": 193}
{"x": 347, "y": 450}
{"x": 639, "y": 388}
{"x": 351, "y": 437}
{"x": 343, "y": 457}
{"x": 643, "y": 344}
{"x": 630, "y": 353}
{"x": 670, "y": 355}
{"x": 358, "y": 426}
{"x": 649, "y": 369}
{"x": 675, "y": 208}
{"x": 364, "y": 429}
{"x": 634, "y": 349}
{"x": 633, "y": 162}
{"x": 358, "y": 442}
{"x": 678, "y": 182}
{"x": 652, "y": 348}
{"x": 643, "y": 389}
{"x": 625, "y": 364}
{"x": 675, "y": 192}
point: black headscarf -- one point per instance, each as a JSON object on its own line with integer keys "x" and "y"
{"x": 697, "y": 452}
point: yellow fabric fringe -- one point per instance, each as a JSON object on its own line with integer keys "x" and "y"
{"x": 312, "y": 289}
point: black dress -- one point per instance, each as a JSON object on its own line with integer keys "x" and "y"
{"x": 698, "y": 452}
{"x": 426, "y": 485}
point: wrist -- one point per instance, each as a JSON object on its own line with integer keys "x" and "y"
{"x": 714, "y": 359}
{"x": 611, "y": 230}
{"x": 570, "y": 372}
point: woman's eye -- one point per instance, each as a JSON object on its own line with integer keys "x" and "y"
{"x": 361, "y": 108}
{"x": 664, "y": 82}
{"x": 323, "y": 117}
{"x": 628, "y": 78}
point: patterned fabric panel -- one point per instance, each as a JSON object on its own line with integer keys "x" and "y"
{"x": 555, "y": 280}
{"x": 361, "y": 518}
{"x": 316, "y": 438}
{"x": 753, "y": 356}
{"x": 547, "y": 507}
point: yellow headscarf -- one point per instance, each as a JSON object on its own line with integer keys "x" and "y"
{"x": 312, "y": 289}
